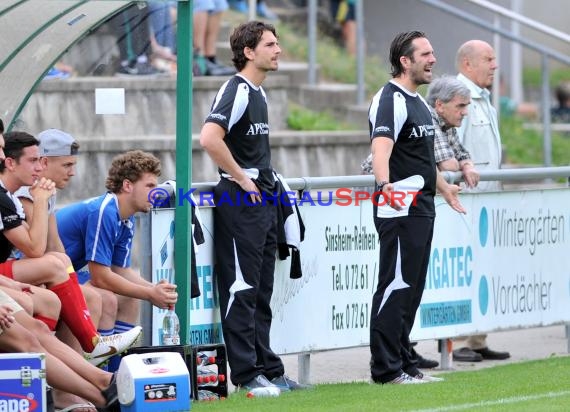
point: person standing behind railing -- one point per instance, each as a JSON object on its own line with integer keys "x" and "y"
{"x": 561, "y": 114}
{"x": 450, "y": 99}
{"x": 479, "y": 133}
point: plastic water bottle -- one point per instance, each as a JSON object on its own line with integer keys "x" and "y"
{"x": 170, "y": 328}
{"x": 268, "y": 391}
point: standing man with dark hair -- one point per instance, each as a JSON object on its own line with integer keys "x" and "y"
{"x": 236, "y": 136}
{"x": 479, "y": 133}
{"x": 402, "y": 135}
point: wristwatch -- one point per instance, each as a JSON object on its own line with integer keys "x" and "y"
{"x": 381, "y": 185}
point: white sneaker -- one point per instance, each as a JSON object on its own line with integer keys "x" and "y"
{"x": 427, "y": 378}
{"x": 405, "y": 379}
{"x": 113, "y": 345}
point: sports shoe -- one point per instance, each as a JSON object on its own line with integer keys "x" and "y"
{"x": 466, "y": 355}
{"x": 217, "y": 69}
{"x": 286, "y": 384}
{"x": 490, "y": 354}
{"x": 239, "y": 5}
{"x": 265, "y": 12}
{"x": 138, "y": 69}
{"x": 405, "y": 379}
{"x": 113, "y": 345}
{"x": 55, "y": 73}
{"x": 427, "y": 378}
{"x": 199, "y": 65}
{"x": 111, "y": 396}
{"x": 260, "y": 381}
{"x": 423, "y": 363}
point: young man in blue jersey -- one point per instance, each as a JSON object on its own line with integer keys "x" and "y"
{"x": 402, "y": 135}
{"x": 98, "y": 233}
{"x": 236, "y": 136}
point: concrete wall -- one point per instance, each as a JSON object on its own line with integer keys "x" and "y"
{"x": 150, "y": 105}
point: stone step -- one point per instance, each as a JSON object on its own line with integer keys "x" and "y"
{"x": 357, "y": 114}
{"x": 150, "y": 105}
{"x": 328, "y": 96}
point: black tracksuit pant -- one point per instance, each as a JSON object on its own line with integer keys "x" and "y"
{"x": 245, "y": 245}
{"x": 405, "y": 244}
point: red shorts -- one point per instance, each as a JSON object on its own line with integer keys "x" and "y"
{"x": 6, "y": 269}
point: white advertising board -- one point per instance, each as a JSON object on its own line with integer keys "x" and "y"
{"x": 205, "y": 324}
{"x": 506, "y": 264}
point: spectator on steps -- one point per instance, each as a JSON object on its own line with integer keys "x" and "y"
{"x": 207, "y": 16}
{"x": 262, "y": 10}
{"x": 131, "y": 26}
{"x": 343, "y": 13}
{"x": 561, "y": 113}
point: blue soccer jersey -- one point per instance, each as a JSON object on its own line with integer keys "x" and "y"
{"x": 93, "y": 231}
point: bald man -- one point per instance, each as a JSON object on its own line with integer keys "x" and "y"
{"x": 479, "y": 134}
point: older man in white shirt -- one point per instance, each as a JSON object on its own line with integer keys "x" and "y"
{"x": 479, "y": 134}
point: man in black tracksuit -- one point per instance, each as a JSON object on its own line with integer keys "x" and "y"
{"x": 236, "y": 136}
{"x": 402, "y": 135}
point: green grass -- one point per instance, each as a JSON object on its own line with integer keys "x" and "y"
{"x": 525, "y": 386}
{"x": 524, "y": 146}
{"x": 532, "y": 77}
{"x": 301, "y": 118}
{"x": 335, "y": 64}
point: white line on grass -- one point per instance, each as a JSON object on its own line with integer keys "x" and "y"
{"x": 515, "y": 399}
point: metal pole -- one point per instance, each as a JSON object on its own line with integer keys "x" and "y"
{"x": 312, "y": 27}
{"x": 495, "y": 97}
{"x": 304, "y": 367}
{"x": 183, "y": 213}
{"x": 446, "y": 349}
{"x": 146, "y": 269}
{"x": 516, "y": 58}
{"x": 252, "y": 10}
{"x": 360, "y": 50}
{"x": 547, "y": 133}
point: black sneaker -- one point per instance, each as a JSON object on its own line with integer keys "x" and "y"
{"x": 259, "y": 381}
{"x": 217, "y": 69}
{"x": 285, "y": 383}
{"x": 422, "y": 362}
{"x": 199, "y": 66}
{"x": 138, "y": 69}
{"x": 111, "y": 396}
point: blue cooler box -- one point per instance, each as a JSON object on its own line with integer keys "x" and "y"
{"x": 22, "y": 382}
{"x": 154, "y": 381}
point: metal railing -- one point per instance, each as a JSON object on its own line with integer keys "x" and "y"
{"x": 504, "y": 175}
{"x": 545, "y": 52}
